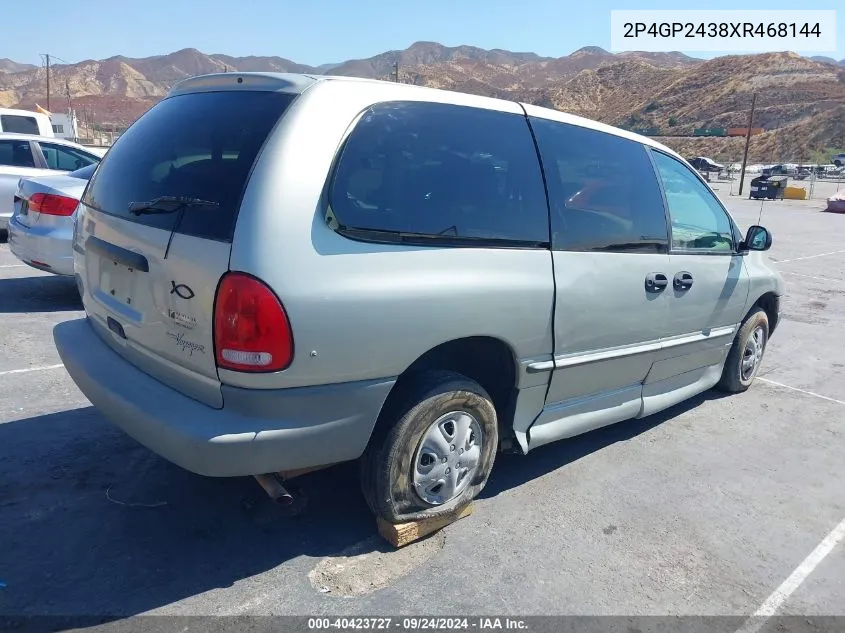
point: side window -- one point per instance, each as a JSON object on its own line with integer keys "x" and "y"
{"x": 65, "y": 158}
{"x": 698, "y": 220}
{"x": 603, "y": 191}
{"x": 16, "y": 154}
{"x": 18, "y": 124}
{"x": 431, "y": 169}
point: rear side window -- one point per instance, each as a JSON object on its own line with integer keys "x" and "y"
{"x": 65, "y": 158}
{"x": 199, "y": 146}
{"x": 18, "y": 124}
{"x": 16, "y": 154}
{"x": 603, "y": 192}
{"x": 412, "y": 171}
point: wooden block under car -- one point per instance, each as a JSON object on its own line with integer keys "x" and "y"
{"x": 401, "y": 534}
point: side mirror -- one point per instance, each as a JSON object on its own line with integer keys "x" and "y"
{"x": 757, "y": 238}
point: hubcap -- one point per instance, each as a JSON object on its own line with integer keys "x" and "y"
{"x": 753, "y": 353}
{"x": 447, "y": 457}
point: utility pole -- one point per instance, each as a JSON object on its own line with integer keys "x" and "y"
{"x": 396, "y": 69}
{"x": 71, "y": 115}
{"x": 747, "y": 142}
{"x": 48, "y": 81}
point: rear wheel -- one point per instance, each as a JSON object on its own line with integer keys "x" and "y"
{"x": 746, "y": 353}
{"x": 433, "y": 448}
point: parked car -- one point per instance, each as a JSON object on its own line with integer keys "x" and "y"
{"x": 781, "y": 170}
{"x": 41, "y": 227}
{"x": 283, "y": 272}
{"x": 839, "y": 160}
{"x": 702, "y": 163}
{"x": 26, "y": 155}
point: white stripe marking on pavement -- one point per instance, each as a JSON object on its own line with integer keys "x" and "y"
{"x": 804, "y": 391}
{"x": 796, "y": 578}
{"x": 798, "y": 259}
{"x": 29, "y": 369}
{"x": 786, "y": 272}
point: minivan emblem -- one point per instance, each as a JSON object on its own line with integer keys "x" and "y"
{"x": 181, "y": 290}
{"x": 184, "y": 320}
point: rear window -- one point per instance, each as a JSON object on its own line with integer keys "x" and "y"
{"x": 603, "y": 192}
{"x": 201, "y": 146}
{"x": 84, "y": 173}
{"x": 18, "y": 124}
{"x": 454, "y": 173}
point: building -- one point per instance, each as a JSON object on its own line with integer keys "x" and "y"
{"x": 65, "y": 125}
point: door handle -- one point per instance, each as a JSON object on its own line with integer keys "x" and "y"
{"x": 656, "y": 282}
{"x": 682, "y": 281}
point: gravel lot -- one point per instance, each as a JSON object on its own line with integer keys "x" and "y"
{"x": 702, "y": 510}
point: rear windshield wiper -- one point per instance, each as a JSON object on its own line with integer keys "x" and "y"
{"x": 168, "y": 204}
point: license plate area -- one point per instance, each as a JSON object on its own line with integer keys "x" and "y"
{"x": 21, "y": 211}
{"x": 117, "y": 287}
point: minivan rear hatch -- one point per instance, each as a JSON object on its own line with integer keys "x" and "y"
{"x": 155, "y": 229}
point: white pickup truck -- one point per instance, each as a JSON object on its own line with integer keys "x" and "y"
{"x": 25, "y": 122}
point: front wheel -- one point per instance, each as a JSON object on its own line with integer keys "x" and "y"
{"x": 433, "y": 448}
{"x": 746, "y": 353}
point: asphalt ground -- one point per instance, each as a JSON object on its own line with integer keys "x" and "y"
{"x": 705, "y": 509}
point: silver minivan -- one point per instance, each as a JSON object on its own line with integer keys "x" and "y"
{"x": 282, "y": 272}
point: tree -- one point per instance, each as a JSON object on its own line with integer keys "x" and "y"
{"x": 673, "y": 121}
{"x": 824, "y": 156}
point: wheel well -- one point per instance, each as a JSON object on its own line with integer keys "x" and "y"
{"x": 769, "y": 303}
{"x": 488, "y": 361}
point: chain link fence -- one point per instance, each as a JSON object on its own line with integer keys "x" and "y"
{"x": 818, "y": 184}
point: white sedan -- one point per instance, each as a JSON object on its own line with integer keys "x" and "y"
{"x": 27, "y": 156}
{"x": 41, "y": 227}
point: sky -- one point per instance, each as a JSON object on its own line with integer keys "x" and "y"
{"x": 329, "y": 31}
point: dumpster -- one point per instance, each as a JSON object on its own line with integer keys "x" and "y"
{"x": 769, "y": 187}
{"x": 795, "y": 193}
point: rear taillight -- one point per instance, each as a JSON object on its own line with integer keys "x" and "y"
{"x": 49, "y": 204}
{"x": 251, "y": 329}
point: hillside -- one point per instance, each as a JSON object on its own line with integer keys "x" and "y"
{"x": 800, "y": 98}
{"x": 8, "y": 66}
{"x": 828, "y": 60}
{"x": 794, "y": 143}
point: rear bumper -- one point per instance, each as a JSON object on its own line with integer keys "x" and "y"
{"x": 256, "y": 431}
{"x": 38, "y": 246}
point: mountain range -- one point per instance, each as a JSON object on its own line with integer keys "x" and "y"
{"x": 801, "y": 100}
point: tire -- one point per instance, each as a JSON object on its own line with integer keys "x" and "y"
{"x": 735, "y": 378}
{"x": 407, "y": 425}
